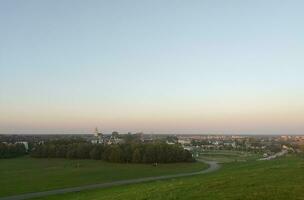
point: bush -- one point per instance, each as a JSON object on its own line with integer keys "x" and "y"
{"x": 11, "y": 150}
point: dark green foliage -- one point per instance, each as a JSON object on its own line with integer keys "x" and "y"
{"x": 83, "y": 150}
{"x": 172, "y": 139}
{"x": 115, "y": 154}
{"x": 127, "y": 153}
{"x": 71, "y": 153}
{"x": 121, "y": 153}
{"x": 96, "y": 153}
{"x": 115, "y": 134}
{"x": 275, "y": 148}
{"x": 11, "y": 150}
{"x": 132, "y": 138}
{"x": 136, "y": 157}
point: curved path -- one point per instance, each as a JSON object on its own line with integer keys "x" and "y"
{"x": 213, "y": 166}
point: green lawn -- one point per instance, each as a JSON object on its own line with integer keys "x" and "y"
{"x": 279, "y": 179}
{"x": 225, "y": 156}
{"x": 22, "y": 175}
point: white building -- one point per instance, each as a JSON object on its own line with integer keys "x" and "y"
{"x": 99, "y": 137}
{"x": 184, "y": 142}
{"x": 171, "y": 143}
{"x": 25, "y": 145}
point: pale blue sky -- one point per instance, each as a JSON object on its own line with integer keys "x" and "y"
{"x": 154, "y": 66}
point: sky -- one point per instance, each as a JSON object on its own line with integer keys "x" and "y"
{"x": 161, "y": 66}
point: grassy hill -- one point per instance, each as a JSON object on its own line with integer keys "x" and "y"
{"x": 23, "y": 175}
{"x": 278, "y": 179}
{"x": 225, "y": 156}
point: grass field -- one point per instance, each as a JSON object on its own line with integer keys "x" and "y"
{"x": 225, "y": 156}
{"x": 278, "y": 179}
{"x": 23, "y": 175}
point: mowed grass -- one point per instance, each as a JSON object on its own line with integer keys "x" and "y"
{"x": 279, "y": 179}
{"x": 23, "y": 175}
{"x": 225, "y": 156}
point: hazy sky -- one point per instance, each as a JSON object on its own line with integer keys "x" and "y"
{"x": 154, "y": 66}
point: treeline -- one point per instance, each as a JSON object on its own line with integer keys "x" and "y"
{"x": 120, "y": 153}
{"x": 11, "y": 150}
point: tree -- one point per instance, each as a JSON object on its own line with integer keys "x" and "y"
{"x": 301, "y": 147}
{"x": 106, "y": 153}
{"x": 172, "y": 139}
{"x": 11, "y": 150}
{"x": 149, "y": 154}
{"x": 136, "y": 157}
{"x": 95, "y": 153}
{"x": 115, "y": 134}
{"x": 44, "y": 151}
{"x": 83, "y": 151}
{"x": 72, "y": 153}
{"x": 126, "y": 152}
{"x": 61, "y": 151}
{"x": 157, "y": 152}
{"x": 275, "y": 148}
{"x": 115, "y": 155}
{"x": 51, "y": 151}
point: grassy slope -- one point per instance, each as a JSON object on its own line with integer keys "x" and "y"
{"x": 22, "y": 175}
{"x": 225, "y": 156}
{"x": 275, "y": 179}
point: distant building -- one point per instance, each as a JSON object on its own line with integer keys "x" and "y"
{"x": 232, "y": 144}
{"x": 140, "y": 136}
{"x": 26, "y": 146}
{"x": 95, "y": 141}
{"x": 171, "y": 143}
{"x": 188, "y": 148}
{"x": 115, "y": 141}
{"x": 97, "y": 133}
{"x": 184, "y": 142}
{"x": 99, "y": 137}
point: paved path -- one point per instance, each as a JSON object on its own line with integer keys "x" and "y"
{"x": 279, "y": 154}
{"x": 213, "y": 166}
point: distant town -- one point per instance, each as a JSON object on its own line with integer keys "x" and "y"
{"x": 266, "y": 145}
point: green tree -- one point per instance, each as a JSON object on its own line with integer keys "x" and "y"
{"x": 115, "y": 134}
{"x": 115, "y": 154}
{"x": 136, "y": 157}
{"x": 61, "y": 151}
{"x": 83, "y": 150}
{"x": 71, "y": 153}
{"x": 51, "y": 150}
{"x": 95, "y": 153}
{"x": 149, "y": 154}
{"x": 301, "y": 147}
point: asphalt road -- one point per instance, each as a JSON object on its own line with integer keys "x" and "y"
{"x": 213, "y": 166}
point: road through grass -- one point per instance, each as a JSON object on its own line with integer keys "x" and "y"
{"x": 278, "y": 179}
{"x": 24, "y": 175}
